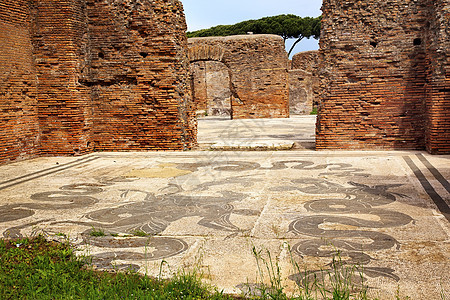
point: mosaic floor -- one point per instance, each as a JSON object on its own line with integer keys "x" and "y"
{"x": 160, "y": 212}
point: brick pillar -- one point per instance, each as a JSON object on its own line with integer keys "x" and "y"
{"x": 139, "y": 76}
{"x": 19, "y": 128}
{"x": 60, "y": 40}
{"x": 374, "y": 74}
{"x": 438, "y": 98}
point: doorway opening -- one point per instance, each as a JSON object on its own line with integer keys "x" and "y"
{"x": 211, "y": 89}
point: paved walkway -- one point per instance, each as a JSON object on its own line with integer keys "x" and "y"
{"x": 221, "y": 133}
{"x": 207, "y": 210}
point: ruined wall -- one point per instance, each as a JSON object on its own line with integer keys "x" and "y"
{"x": 139, "y": 75}
{"x": 18, "y": 87}
{"x": 59, "y": 39}
{"x": 438, "y": 87}
{"x": 257, "y": 66}
{"x": 84, "y": 75}
{"x": 374, "y": 71}
{"x": 211, "y": 84}
{"x": 304, "y": 84}
{"x": 374, "y": 75}
{"x": 199, "y": 86}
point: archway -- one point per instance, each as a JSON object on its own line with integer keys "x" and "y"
{"x": 245, "y": 77}
{"x": 211, "y": 88}
{"x": 257, "y": 74}
{"x": 211, "y": 81}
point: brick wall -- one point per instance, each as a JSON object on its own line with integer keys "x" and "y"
{"x": 304, "y": 84}
{"x": 306, "y": 61}
{"x": 374, "y": 72}
{"x": 84, "y": 75}
{"x": 212, "y": 91}
{"x": 438, "y": 92}
{"x": 258, "y": 72}
{"x": 383, "y": 82}
{"x": 199, "y": 86}
{"x": 19, "y": 128}
{"x": 60, "y": 40}
{"x": 139, "y": 76}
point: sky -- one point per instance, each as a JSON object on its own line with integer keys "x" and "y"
{"x": 201, "y": 14}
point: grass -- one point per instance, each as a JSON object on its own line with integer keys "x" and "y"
{"x": 39, "y": 269}
{"x": 337, "y": 283}
{"x": 139, "y": 233}
{"x": 100, "y": 232}
{"x": 97, "y": 232}
{"x": 314, "y": 111}
{"x": 34, "y": 268}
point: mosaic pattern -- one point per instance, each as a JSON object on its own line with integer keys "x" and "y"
{"x": 358, "y": 199}
{"x": 214, "y": 193}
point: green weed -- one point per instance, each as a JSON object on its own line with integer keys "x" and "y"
{"x": 33, "y": 268}
{"x": 340, "y": 282}
{"x": 40, "y": 269}
{"x": 97, "y": 232}
{"x": 140, "y": 233}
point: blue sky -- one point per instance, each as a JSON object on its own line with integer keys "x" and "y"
{"x": 202, "y": 14}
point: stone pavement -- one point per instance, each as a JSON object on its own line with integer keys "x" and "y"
{"x": 221, "y": 133}
{"x": 387, "y": 211}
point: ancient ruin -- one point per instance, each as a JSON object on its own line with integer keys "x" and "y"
{"x": 78, "y": 76}
{"x": 304, "y": 84}
{"x": 82, "y": 76}
{"x": 385, "y": 69}
{"x": 242, "y": 76}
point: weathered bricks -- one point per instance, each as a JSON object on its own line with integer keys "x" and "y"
{"x": 438, "y": 85}
{"x": 82, "y": 75}
{"x": 383, "y": 84}
{"x": 304, "y": 84}
{"x": 211, "y": 88}
{"x": 19, "y": 128}
{"x": 258, "y": 73}
{"x": 59, "y": 38}
{"x": 139, "y": 76}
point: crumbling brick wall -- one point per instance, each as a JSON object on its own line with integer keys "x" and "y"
{"x": 59, "y": 39}
{"x": 139, "y": 76}
{"x": 18, "y": 86}
{"x": 438, "y": 87}
{"x": 375, "y": 75}
{"x": 211, "y": 88}
{"x": 303, "y": 82}
{"x": 199, "y": 86}
{"x": 258, "y": 72}
{"x": 84, "y": 75}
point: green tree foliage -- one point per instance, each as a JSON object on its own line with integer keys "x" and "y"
{"x": 287, "y": 26}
